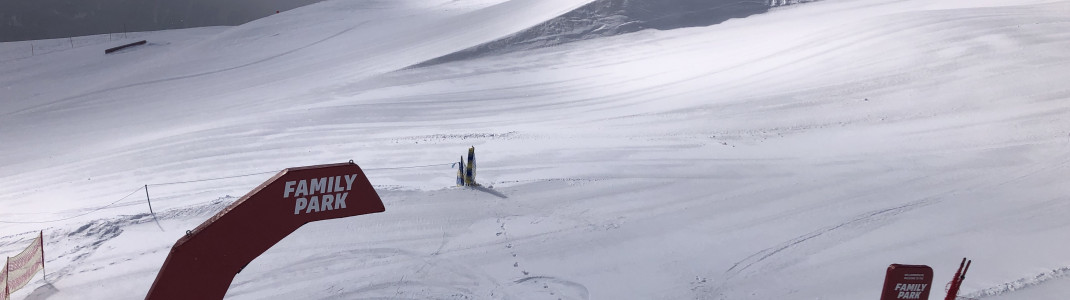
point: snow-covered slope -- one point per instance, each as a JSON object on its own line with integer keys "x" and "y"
{"x": 792, "y": 154}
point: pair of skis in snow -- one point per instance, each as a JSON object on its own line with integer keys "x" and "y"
{"x": 466, "y": 174}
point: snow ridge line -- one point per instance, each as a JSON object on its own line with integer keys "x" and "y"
{"x": 1021, "y": 283}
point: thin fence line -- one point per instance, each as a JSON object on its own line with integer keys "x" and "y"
{"x": 60, "y": 48}
{"x": 412, "y": 167}
{"x": 83, "y": 214}
{"x": 276, "y": 171}
{"x": 195, "y": 181}
{"x": 211, "y": 179}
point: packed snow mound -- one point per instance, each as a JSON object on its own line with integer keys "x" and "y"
{"x": 604, "y": 18}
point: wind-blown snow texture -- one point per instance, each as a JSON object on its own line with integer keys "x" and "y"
{"x": 789, "y": 154}
{"x": 602, "y": 18}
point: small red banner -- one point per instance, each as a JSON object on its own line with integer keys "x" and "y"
{"x": 19, "y": 269}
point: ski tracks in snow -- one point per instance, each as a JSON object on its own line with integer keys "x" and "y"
{"x": 546, "y": 286}
{"x": 867, "y": 219}
{"x": 862, "y": 219}
{"x": 433, "y": 276}
{"x": 551, "y": 287}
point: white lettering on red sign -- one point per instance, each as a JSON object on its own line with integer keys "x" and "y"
{"x": 910, "y": 291}
{"x": 319, "y": 194}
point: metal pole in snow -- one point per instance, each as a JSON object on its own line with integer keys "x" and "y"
{"x": 7, "y": 290}
{"x": 44, "y": 273}
{"x": 149, "y": 200}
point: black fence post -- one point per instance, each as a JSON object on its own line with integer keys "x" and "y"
{"x": 149, "y": 200}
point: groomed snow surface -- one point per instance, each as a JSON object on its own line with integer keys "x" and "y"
{"x": 790, "y": 154}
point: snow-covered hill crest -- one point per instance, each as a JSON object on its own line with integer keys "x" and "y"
{"x": 603, "y": 18}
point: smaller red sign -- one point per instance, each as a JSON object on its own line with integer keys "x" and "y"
{"x": 907, "y": 282}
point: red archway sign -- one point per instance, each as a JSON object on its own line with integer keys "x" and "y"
{"x": 203, "y": 263}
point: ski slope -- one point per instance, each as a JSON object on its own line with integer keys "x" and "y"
{"x": 791, "y": 154}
